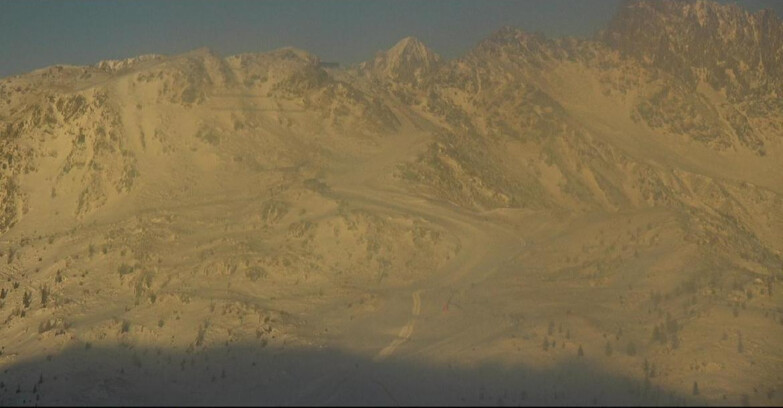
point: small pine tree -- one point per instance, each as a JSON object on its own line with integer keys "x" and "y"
{"x": 44, "y": 296}
{"x": 27, "y": 298}
{"x": 608, "y": 349}
{"x": 545, "y": 344}
{"x": 580, "y": 352}
{"x": 695, "y": 388}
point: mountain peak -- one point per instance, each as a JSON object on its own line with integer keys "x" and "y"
{"x": 411, "y": 46}
{"x": 407, "y": 61}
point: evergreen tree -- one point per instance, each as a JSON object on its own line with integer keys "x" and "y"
{"x": 44, "y": 295}
{"x": 27, "y": 298}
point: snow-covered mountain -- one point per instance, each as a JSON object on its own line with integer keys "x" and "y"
{"x": 621, "y": 194}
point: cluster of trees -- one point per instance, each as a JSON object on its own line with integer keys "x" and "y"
{"x": 667, "y": 332}
{"x": 546, "y": 344}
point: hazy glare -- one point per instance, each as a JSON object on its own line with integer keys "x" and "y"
{"x": 543, "y": 220}
{"x": 35, "y": 34}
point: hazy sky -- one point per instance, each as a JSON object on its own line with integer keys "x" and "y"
{"x": 36, "y": 33}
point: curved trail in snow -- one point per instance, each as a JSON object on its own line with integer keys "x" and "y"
{"x": 484, "y": 245}
{"x": 406, "y": 331}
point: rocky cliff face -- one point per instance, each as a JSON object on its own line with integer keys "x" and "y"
{"x": 723, "y": 45}
{"x": 730, "y": 50}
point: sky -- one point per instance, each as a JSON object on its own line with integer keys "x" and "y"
{"x": 39, "y": 33}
